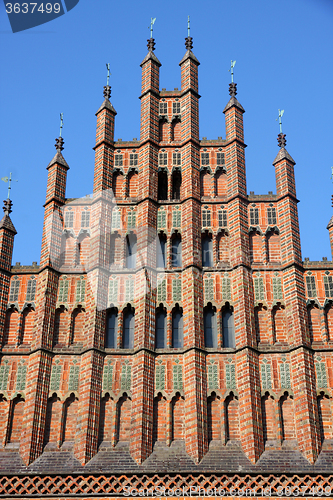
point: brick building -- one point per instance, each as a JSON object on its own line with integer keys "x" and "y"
{"x": 171, "y": 336}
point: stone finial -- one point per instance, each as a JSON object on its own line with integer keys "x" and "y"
{"x": 151, "y": 44}
{"x": 7, "y": 206}
{"x": 107, "y": 92}
{"x": 282, "y": 141}
{"x": 233, "y": 89}
{"x": 59, "y": 144}
{"x": 189, "y": 43}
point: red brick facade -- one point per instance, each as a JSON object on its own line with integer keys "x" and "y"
{"x": 220, "y": 361}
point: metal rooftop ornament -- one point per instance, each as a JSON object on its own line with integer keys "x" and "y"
{"x": 281, "y": 111}
{"x": 232, "y": 70}
{"x": 9, "y": 180}
{"x": 107, "y": 88}
{"x": 61, "y": 123}
{"x": 188, "y": 39}
{"x": 152, "y": 22}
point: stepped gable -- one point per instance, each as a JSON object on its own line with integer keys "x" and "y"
{"x": 171, "y": 335}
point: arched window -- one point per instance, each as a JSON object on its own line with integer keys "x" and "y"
{"x": 161, "y": 244}
{"x": 177, "y": 328}
{"x": 228, "y": 328}
{"x": 162, "y": 189}
{"x": 207, "y": 251}
{"x": 176, "y": 257}
{"x": 210, "y": 326}
{"x": 111, "y": 329}
{"x": 131, "y": 251}
{"x": 176, "y": 184}
{"x": 128, "y": 337}
{"x": 160, "y": 328}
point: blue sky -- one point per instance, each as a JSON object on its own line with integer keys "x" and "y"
{"x": 284, "y": 60}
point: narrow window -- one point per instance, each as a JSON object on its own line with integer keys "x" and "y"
{"x": 31, "y": 290}
{"x": 162, "y": 188}
{"x": 69, "y": 219}
{"x": 176, "y": 184}
{"x": 85, "y": 218}
{"x": 219, "y": 159}
{"x": 14, "y": 290}
{"x": 228, "y": 328}
{"x": 176, "y": 108}
{"x": 328, "y": 283}
{"x": 163, "y": 159}
{"x": 223, "y": 218}
{"x": 128, "y": 338}
{"x": 177, "y": 328}
{"x": 133, "y": 159}
{"x": 160, "y": 333}
{"x": 271, "y": 216}
{"x": 176, "y": 159}
{"x": 111, "y": 329}
{"x": 254, "y": 216}
{"x": 130, "y": 251}
{"x": 207, "y": 251}
{"x": 210, "y": 327}
{"x": 163, "y": 108}
{"x": 161, "y": 244}
{"x": 204, "y": 159}
{"x": 118, "y": 160}
{"x": 206, "y": 218}
{"x": 176, "y": 257}
{"x": 311, "y": 286}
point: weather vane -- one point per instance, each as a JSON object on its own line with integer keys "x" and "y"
{"x": 9, "y": 180}
{"x": 108, "y": 75}
{"x": 232, "y": 70}
{"x": 281, "y": 111}
{"x": 61, "y": 123}
{"x": 332, "y": 174}
{"x": 152, "y": 21}
{"x": 188, "y": 25}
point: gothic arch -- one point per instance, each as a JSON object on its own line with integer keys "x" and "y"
{"x": 78, "y": 326}
{"x": 324, "y": 402}
{"x": 255, "y": 245}
{"x": 160, "y": 418}
{"x": 11, "y": 325}
{"x": 287, "y": 412}
{"x": 273, "y": 245}
{"x": 106, "y": 417}
{"x": 118, "y": 183}
{"x": 70, "y": 412}
{"x": 133, "y": 183}
{"x": 206, "y": 183}
{"x": 61, "y": 326}
{"x": 124, "y": 415}
{"x": 178, "y": 417}
{"x": 221, "y": 182}
{"x": 279, "y": 323}
{"x": 53, "y": 420}
{"x": 314, "y": 320}
{"x": 268, "y": 417}
{"x": 28, "y": 320}
{"x": 214, "y": 417}
{"x": 16, "y": 427}
{"x": 262, "y": 323}
{"x": 231, "y": 406}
